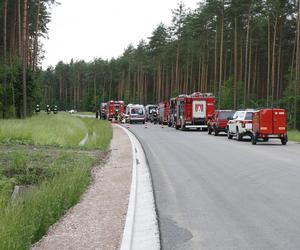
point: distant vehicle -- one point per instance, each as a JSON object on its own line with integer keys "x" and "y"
{"x": 135, "y": 113}
{"x": 218, "y": 122}
{"x": 119, "y": 110}
{"x": 268, "y": 124}
{"x": 149, "y": 108}
{"x": 194, "y": 111}
{"x": 163, "y": 112}
{"x": 240, "y": 124}
{"x": 172, "y": 112}
{"x": 102, "y": 111}
{"x": 72, "y": 111}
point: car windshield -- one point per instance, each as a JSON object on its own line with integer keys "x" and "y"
{"x": 248, "y": 116}
{"x": 137, "y": 111}
{"x": 225, "y": 114}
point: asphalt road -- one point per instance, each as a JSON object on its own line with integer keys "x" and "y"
{"x": 215, "y": 193}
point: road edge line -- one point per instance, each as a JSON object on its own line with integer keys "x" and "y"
{"x": 140, "y": 232}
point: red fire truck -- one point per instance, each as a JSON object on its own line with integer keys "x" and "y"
{"x": 269, "y": 123}
{"x": 110, "y": 110}
{"x": 194, "y": 111}
{"x": 163, "y": 110}
{"x": 115, "y": 109}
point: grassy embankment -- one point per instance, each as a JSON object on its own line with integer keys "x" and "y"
{"x": 42, "y": 152}
{"x": 294, "y": 135}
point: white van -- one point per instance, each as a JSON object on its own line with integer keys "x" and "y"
{"x": 135, "y": 113}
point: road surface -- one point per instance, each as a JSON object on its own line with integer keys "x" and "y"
{"x": 215, "y": 193}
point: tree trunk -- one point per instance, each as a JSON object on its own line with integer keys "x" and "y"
{"x": 297, "y": 84}
{"x": 246, "y": 60}
{"x": 177, "y": 68}
{"x": 19, "y": 30}
{"x": 235, "y": 65}
{"x": 24, "y": 60}
{"x": 274, "y": 62}
{"x": 35, "y": 44}
{"x": 221, "y": 56}
{"x": 5, "y": 59}
{"x": 269, "y": 61}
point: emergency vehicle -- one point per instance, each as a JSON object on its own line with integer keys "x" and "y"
{"x": 163, "y": 111}
{"x": 194, "y": 111}
{"x": 269, "y": 123}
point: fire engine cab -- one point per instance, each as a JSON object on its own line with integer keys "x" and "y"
{"x": 193, "y": 111}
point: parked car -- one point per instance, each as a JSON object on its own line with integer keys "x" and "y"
{"x": 135, "y": 113}
{"x": 240, "y": 125}
{"x": 218, "y": 122}
{"x": 269, "y": 123}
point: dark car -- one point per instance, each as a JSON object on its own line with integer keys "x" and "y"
{"x": 218, "y": 123}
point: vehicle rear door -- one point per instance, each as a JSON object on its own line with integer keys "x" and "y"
{"x": 266, "y": 121}
{"x": 279, "y": 121}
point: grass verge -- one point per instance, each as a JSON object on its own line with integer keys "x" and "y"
{"x": 100, "y": 133}
{"x": 42, "y": 152}
{"x": 294, "y": 135}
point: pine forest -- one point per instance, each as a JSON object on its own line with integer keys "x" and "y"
{"x": 245, "y": 52}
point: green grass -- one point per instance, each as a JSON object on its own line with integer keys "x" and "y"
{"x": 100, "y": 133}
{"x": 61, "y": 130}
{"x": 44, "y": 152}
{"x": 56, "y": 130}
{"x": 86, "y": 113}
{"x": 23, "y": 223}
{"x": 294, "y": 135}
{"x": 59, "y": 179}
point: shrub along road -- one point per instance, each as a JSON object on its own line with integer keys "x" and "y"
{"x": 215, "y": 193}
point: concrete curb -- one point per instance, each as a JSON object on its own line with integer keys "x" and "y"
{"x": 141, "y": 227}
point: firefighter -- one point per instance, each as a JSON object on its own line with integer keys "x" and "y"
{"x": 55, "y": 109}
{"x": 37, "y": 109}
{"x": 48, "y": 110}
{"x": 97, "y": 114}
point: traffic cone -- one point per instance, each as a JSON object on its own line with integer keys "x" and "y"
{"x": 146, "y": 125}
{"x": 127, "y": 125}
{"x": 162, "y": 125}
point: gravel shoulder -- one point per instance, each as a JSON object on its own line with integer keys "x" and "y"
{"x": 97, "y": 221}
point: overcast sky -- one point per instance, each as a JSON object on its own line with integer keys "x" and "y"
{"x": 103, "y": 28}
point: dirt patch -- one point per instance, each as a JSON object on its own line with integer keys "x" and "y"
{"x": 97, "y": 222}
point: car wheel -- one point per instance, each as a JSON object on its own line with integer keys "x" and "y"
{"x": 216, "y": 131}
{"x": 284, "y": 140}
